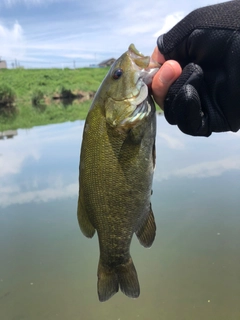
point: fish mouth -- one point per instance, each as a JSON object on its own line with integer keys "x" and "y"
{"x": 144, "y": 70}
{"x": 145, "y": 67}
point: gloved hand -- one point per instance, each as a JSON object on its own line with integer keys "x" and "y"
{"x": 206, "y": 97}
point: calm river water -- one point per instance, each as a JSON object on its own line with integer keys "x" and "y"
{"x": 48, "y": 268}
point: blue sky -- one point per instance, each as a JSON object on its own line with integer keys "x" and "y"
{"x": 61, "y": 33}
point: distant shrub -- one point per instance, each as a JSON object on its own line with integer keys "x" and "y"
{"x": 66, "y": 93}
{"x": 7, "y": 99}
{"x": 38, "y": 100}
{"x": 37, "y": 97}
{"x": 7, "y": 95}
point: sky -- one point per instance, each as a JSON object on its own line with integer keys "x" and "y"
{"x": 79, "y": 33}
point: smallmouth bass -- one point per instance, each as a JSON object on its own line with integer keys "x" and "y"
{"x": 116, "y": 170}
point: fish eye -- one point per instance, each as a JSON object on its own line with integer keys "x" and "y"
{"x": 117, "y": 74}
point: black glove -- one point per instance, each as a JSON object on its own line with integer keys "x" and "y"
{"x": 206, "y": 43}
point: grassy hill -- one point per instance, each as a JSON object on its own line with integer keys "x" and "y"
{"x": 36, "y": 95}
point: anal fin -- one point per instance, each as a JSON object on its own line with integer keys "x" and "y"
{"x": 146, "y": 233}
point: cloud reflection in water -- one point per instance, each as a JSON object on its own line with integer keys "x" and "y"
{"x": 41, "y": 164}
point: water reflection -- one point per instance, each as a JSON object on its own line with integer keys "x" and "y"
{"x": 48, "y": 268}
{"x": 9, "y": 134}
{"x": 38, "y": 164}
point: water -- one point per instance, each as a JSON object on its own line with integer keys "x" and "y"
{"x": 48, "y": 268}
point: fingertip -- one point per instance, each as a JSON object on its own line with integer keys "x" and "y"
{"x": 157, "y": 56}
{"x": 169, "y": 72}
{"x": 163, "y": 79}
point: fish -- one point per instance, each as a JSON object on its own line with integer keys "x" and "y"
{"x": 117, "y": 162}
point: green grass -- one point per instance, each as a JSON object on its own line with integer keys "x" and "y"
{"x": 33, "y": 87}
{"x": 51, "y": 114}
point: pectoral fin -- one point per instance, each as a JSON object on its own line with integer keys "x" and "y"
{"x": 85, "y": 225}
{"x": 146, "y": 233}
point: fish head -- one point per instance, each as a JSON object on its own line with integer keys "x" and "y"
{"x": 126, "y": 89}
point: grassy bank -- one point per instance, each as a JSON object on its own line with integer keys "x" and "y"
{"x": 34, "y": 90}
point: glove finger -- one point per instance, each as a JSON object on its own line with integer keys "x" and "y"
{"x": 188, "y": 112}
{"x": 199, "y": 35}
{"x": 183, "y": 106}
{"x": 191, "y": 74}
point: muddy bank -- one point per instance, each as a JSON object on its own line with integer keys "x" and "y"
{"x": 73, "y": 95}
{"x": 65, "y": 97}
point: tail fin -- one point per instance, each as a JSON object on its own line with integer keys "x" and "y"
{"x": 109, "y": 280}
{"x": 128, "y": 279}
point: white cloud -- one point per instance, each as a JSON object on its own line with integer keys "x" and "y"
{"x": 172, "y": 142}
{"x": 43, "y": 142}
{"x": 79, "y": 55}
{"x": 58, "y": 31}
{"x": 11, "y": 162}
{"x": 10, "y": 3}
{"x": 209, "y": 168}
{"x": 169, "y": 22}
{"x": 12, "y": 41}
{"x": 14, "y": 195}
{"x": 205, "y": 169}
